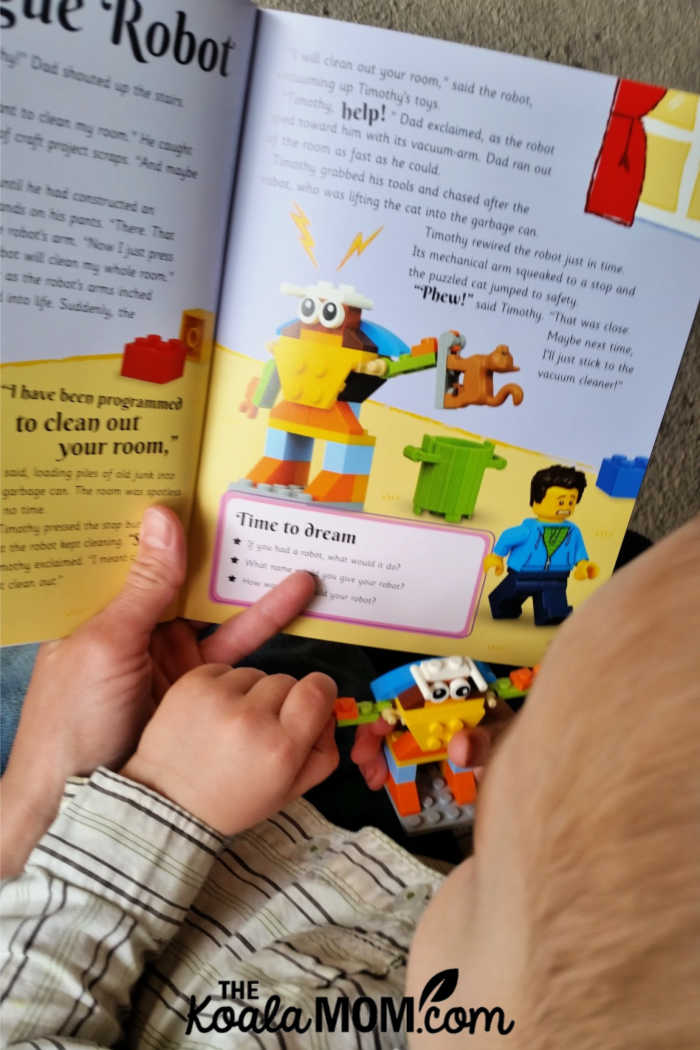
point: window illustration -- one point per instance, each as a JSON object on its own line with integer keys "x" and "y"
{"x": 648, "y": 166}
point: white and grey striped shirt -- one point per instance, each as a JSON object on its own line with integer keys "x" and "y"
{"x": 128, "y": 907}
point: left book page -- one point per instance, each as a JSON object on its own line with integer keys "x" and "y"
{"x": 119, "y": 132}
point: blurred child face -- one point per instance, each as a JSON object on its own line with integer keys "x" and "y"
{"x": 579, "y": 913}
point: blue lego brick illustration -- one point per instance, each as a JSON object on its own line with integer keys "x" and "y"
{"x": 621, "y": 477}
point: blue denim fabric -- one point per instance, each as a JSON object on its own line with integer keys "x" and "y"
{"x": 16, "y": 665}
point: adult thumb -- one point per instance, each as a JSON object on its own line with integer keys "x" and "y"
{"x": 154, "y": 578}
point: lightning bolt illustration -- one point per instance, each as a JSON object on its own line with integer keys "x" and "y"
{"x": 358, "y": 245}
{"x": 302, "y": 223}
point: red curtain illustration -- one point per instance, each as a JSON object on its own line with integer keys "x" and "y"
{"x": 618, "y": 174}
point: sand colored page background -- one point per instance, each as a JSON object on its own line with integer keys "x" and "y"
{"x": 80, "y": 464}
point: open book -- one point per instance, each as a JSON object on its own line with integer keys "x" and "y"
{"x": 401, "y": 312}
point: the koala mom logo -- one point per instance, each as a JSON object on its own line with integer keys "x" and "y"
{"x": 432, "y": 1013}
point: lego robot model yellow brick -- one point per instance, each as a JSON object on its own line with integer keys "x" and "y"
{"x": 454, "y": 693}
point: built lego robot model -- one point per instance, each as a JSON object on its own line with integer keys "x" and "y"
{"x": 325, "y": 364}
{"x": 426, "y": 703}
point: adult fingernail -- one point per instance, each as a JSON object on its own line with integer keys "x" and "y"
{"x": 157, "y": 529}
{"x": 318, "y": 582}
{"x": 324, "y": 682}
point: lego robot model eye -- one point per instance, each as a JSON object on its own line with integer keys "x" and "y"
{"x": 308, "y": 310}
{"x": 332, "y": 314}
{"x": 439, "y": 691}
{"x": 460, "y": 689}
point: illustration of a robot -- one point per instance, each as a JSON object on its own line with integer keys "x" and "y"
{"x": 325, "y": 364}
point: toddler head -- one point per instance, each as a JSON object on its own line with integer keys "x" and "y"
{"x": 579, "y": 913}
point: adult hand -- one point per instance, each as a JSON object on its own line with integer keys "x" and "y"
{"x": 92, "y": 693}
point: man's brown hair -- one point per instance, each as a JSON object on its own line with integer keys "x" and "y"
{"x": 562, "y": 477}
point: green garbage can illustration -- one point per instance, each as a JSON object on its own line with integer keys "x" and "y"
{"x": 450, "y": 475}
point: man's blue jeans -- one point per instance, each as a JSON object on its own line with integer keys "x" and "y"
{"x": 16, "y": 664}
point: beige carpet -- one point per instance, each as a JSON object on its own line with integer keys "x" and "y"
{"x": 639, "y": 39}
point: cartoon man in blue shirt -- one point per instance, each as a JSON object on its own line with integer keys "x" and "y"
{"x": 542, "y": 551}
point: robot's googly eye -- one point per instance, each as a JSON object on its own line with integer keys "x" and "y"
{"x": 332, "y": 314}
{"x": 439, "y": 691}
{"x": 460, "y": 688}
{"x": 308, "y": 310}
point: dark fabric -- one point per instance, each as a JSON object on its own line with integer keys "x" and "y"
{"x": 633, "y": 545}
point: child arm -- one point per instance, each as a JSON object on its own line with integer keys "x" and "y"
{"x": 106, "y": 888}
{"x": 111, "y": 881}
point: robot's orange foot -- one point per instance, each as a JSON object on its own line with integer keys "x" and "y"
{"x": 329, "y": 487}
{"x": 404, "y": 796}
{"x": 460, "y": 782}
{"x": 270, "y": 471}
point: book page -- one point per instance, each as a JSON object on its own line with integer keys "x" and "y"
{"x": 119, "y": 127}
{"x": 458, "y": 290}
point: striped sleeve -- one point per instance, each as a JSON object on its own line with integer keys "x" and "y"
{"x": 104, "y": 891}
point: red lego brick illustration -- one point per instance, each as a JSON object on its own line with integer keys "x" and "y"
{"x": 153, "y": 359}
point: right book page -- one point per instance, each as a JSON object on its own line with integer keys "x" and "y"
{"x": 458, "y": 287}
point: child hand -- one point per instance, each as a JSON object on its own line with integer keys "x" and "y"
{"x": 235, "y": 746}
{"x": 368, "y": 752}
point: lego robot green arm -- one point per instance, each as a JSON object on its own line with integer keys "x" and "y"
{"x": 409, "y": 363}
{"x": 268, "y": 387}
{"x": 351, "y": 712}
